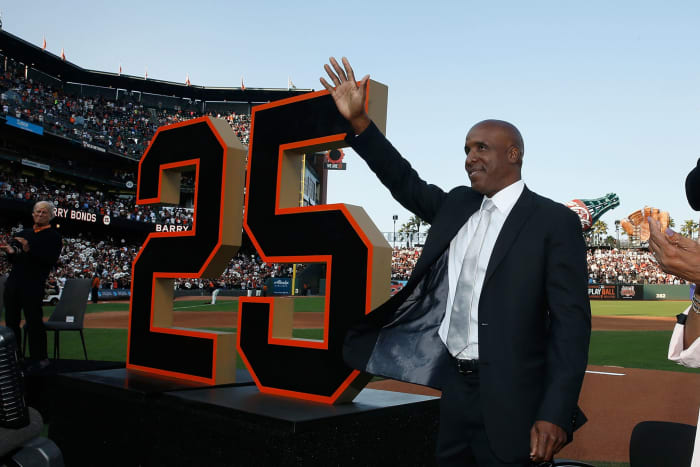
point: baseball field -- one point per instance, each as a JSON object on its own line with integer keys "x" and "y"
{"x": 629, "y": 378}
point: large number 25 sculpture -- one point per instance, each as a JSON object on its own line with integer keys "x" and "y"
{"x": 356, "y": 255}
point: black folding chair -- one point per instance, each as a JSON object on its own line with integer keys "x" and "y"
{"x": 69, "y": 313}
{"x": 662, "y": 444}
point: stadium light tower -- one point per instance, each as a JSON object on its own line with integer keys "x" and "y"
{"x": 395, "y": 217}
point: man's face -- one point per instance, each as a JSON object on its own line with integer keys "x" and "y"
{"x": 488, "y": 164}
{"x": 41, "y": 215}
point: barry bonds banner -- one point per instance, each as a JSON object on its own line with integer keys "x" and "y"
{"x": 356, "y": 255}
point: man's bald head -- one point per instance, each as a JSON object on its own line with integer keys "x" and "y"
{"x": 510, "y": 131}
{"x": 494, "y": 151}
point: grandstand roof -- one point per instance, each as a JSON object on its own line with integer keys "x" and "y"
{"x": 40, "y": 59}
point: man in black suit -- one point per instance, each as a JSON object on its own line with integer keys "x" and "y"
{"x": 496, "y": 312}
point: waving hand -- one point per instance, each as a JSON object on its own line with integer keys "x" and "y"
{"x": 348, "y": 94}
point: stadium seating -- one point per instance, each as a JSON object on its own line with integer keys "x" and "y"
{"x": 120, "y": 126}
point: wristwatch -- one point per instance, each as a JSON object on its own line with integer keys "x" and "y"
{"x": 695, "y": 305}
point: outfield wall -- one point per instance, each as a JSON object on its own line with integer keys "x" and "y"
{"x": 667, "y": 292}
{"x": 638, "y": 292}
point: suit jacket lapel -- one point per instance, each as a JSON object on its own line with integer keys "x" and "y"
{"x": 445, "y": 227}
{"x": 522, "y": 210}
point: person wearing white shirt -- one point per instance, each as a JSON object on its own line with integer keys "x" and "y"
{"x": 496, "y": 311}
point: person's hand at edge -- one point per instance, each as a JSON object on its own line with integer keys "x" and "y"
{"x": 675, "y": 253}
{"x": 24, "y": 243}
{"x": 9, "y": 249}
{"x": 546, "y": 439}
{"x": 348, "y": 94}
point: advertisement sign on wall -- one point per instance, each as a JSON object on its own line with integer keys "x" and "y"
{"x": 26, "y": 126}
{"x": 282, "y": 286}
{"x": 602, "y": 292}
{"x": 113, "y": 294}
{"x": 631, "y": 292}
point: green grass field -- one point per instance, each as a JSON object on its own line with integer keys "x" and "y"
{"x": 637, "y": 308}
{"x": 628, "y": 349}
{"x": 633, "y": 349}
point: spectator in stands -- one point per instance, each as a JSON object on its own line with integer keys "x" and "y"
{"x": 33, "y": 252}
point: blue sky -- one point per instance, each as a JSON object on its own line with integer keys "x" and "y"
{"x": 606, "y": 94}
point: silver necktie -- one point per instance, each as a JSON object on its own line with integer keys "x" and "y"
{"x": 458, "y": 332}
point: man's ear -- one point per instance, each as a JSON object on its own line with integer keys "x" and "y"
{"x": 514, "y": 155}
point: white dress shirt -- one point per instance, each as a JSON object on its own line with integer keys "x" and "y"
{"x": 504, "y": 201}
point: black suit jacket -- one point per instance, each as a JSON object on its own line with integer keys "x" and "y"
{"x": 534, "y": 313}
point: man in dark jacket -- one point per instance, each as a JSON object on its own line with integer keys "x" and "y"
{"x": 496, "y": 312}
{"x": 33, "y": 252}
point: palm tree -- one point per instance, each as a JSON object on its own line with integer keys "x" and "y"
{"x": 689, "y": 228}
{"x": 413, "y": 227}
{"x": 418, "y": 223}
{"x": 600, "y": 228}
{"x": 610, "y": 241}
{"x": 404, "y": 231}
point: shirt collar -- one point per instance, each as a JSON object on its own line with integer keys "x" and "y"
{"x": 39, "y": 229}
{"x": 505, "y": 199}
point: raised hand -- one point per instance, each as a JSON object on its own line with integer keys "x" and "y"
{"x": 348, "y": 94}
{"x": 675, "y": 253}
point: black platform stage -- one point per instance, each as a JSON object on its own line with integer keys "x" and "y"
{"x": 39, "y": 385}
{"x": 123, "y": 417}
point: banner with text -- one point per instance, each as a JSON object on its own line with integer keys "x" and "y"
{"x": 602, "y": 292}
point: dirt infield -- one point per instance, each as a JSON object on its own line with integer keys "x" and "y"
{"x": 195, "y": 319}
{"x": 633, "y": 323}
{"x": 614, "y": 399}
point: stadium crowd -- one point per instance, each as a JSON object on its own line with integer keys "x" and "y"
{"x": 83, "y": 257}
{"x": 403, "y": 260}
{"x": 605, "y": 266}
{"x": 111, "y": 260}
{"x": 125, "y": 127}
{"x": 66, "y": 196}
{"x": 626, "y": 266}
